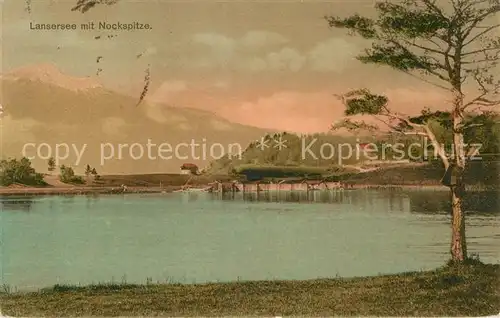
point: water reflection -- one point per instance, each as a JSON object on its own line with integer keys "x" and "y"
{"x": 360, "y": 200}
{"x": 425, "y": 202}
{"x": 288, "y": 196}
{"x": 24, "y": 204}
{"x": 92, "y": 199}
{"x": 420, "y": 202}
{"x": 486, "y": 202}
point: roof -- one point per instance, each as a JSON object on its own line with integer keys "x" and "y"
{"x": 189, "y": 166}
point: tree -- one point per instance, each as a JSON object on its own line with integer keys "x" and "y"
{"x": 85, "y": 5}
{"x": 88, "y": 170}
{"x": 19, "y": 171}
{"x": 51, "y": 164}
{"x": 68, "y": 175}
{"x": 449, "y": 45}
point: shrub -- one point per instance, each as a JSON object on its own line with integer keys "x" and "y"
{"x": 51, "y": 163}
{"x": 19, "y": 171}
{"x": 255, "y": 172}
{"x": 68, "y": 176}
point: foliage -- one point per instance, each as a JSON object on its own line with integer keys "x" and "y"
{"x": 88, "y": 170}
{"x": 433, "y": 42}
{"x": 363, "y": 102}
{"x": 68, "y": 175}
{"x": 255, "y": 172}
{"x": 51, "y": 164}
{"x": 85, "y": 5}
{"x": 19, "y": 171}
{"x": 292, "y": 154}
{"x": 484, "y": 130}
{"x": 426, "y": 38}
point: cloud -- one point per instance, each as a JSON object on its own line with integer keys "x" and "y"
{"x": 412, "y": 101}
{"x": 331, "y": 55}
{"x": 309, "y": 112}
{"x": 166, "y": 90}
{"x": 255, "y": 64}
{"x": 222, "y": 48}
{"x": 258, "y": 39}
{"x": 225, "y": 51}
{"x": 17, "y": 130}
{"x": 221, "y": 84}
{"x": 282, "y": 60}
{"x": 163, "y": 115}
{"x": 288, "y": 110}
{"x": 286, "y": 58}
{"x": 213, "y": 39}
{"x": 253, "y": 39}
{"x": 184, "y": 126}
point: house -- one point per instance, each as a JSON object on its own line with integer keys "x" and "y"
{"x": 189, "y": 168}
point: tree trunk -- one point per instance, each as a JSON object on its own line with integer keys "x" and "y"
{"x": 458, "y": 242}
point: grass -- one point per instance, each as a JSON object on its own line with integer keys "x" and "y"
{"x": 257, "y": 172}
{"x": 292, "y": 169}
{"x": 480, "y": 175}
{"x": 166, "y": 179}
{"x": 453, "y": 290}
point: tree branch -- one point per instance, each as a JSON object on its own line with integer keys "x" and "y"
{"x": 487, "y": 30}
{"x": 480, "y": 51}
{"x": 491, "y": 10}
{"x": 437, "y": 147}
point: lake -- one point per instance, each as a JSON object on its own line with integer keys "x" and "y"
{"x": 202, "y": 237}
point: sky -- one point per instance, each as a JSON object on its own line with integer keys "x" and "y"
{"x": 270, "y": 64}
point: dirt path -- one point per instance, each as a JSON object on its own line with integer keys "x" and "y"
{"x": 55, "y": 182}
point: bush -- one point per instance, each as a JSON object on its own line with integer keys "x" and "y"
{"x": 68, "y": 176}
{"x": 19, "y": 171}
{"x": 255, "y": 172}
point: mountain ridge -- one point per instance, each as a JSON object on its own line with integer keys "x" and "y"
{"x": 38, "y": 111}
{"x": 50, "y": 73}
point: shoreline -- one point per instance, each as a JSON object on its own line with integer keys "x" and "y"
{"x": 86, "y": 190}
{"x": 77, "y": 190}
{"x": 469, "y": 289}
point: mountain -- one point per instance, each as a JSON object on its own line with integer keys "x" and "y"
{"x": 42, "y": 105}
{"x": 50, "y": 74}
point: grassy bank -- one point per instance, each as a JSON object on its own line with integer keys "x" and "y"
{"x": 160, "y": 179}
{"x": 82, "y": 190}
{"x": 468, "y": 290}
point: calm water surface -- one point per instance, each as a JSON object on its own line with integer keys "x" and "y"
{"x": 199, "y": 237}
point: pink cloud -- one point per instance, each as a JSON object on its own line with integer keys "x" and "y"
{"x": 315, "y": 112}
{"x": 412, "y": 101}
{"x": 287, "y": 110}
{"x": 303, "y": 112}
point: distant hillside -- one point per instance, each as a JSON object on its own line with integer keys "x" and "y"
{"x": 43, "y": 106}
{"x": 477, "y": 173}
{"x": 296, "y": 151}
{"x": 270, "y": 162}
